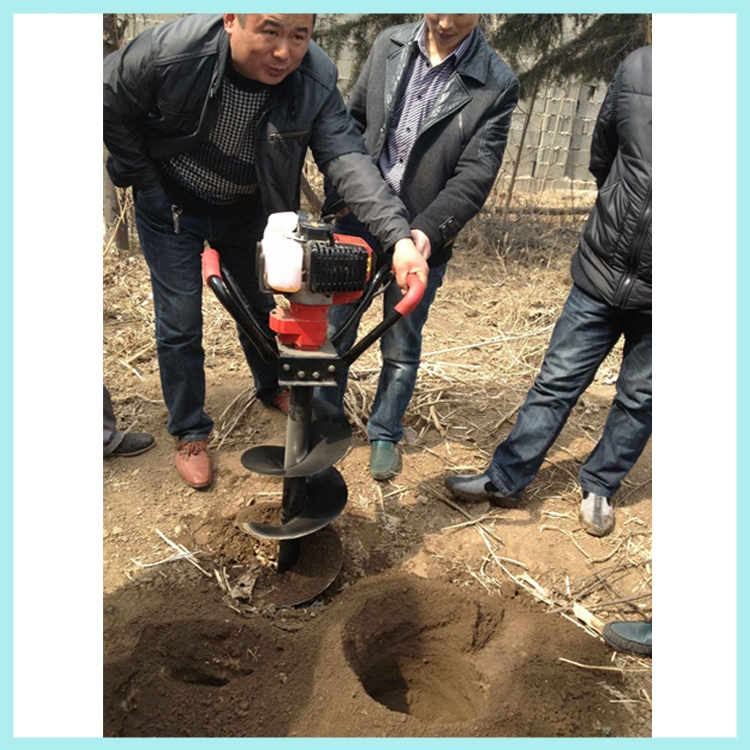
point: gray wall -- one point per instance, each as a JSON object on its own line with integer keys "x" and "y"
{"x": 556, "y": 150}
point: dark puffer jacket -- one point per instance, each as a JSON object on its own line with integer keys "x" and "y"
{"x": 613, "y": 260}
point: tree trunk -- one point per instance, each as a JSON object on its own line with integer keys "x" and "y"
{"x": 115, "y": 217}
{"x": 519, "y": 154}
{"x": 312, "y": 198}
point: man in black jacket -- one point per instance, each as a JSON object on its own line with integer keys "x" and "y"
{"x": 434, "y": 103}
{"x": 611, "y": 297}
{"x": 209, "y": 119}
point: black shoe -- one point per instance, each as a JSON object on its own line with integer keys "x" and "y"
{"x": 478, "y": 488}
{"x": 633, "y": 637}
{"x": 133, "y": 444}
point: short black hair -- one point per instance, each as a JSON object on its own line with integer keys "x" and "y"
{"x": 242, "y": 16}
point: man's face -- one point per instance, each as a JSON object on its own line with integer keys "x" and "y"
{"x": 449, "y": 30}
{"x": 269, "y": 46}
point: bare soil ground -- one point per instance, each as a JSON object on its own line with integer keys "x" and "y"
{"x": 446, "y": 619}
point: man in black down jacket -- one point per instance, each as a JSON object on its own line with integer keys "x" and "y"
{"x": 209, "y": 119}
{"x": 611, "y": 296}
{"x": 434, "y": 103}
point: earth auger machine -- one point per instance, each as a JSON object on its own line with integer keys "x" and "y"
{"x": 314, "y": 268}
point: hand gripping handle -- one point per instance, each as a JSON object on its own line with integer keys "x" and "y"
{"x": 412, "y": 297}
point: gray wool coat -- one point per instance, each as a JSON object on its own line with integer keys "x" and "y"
{"x": 458, "y": 151}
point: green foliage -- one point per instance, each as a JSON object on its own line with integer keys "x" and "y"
{"x": 595, "y": 53}
{"x": 525, "y": 40}
{"x": 585, "y": 47}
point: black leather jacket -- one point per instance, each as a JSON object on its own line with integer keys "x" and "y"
{"x": 160, "y": 100}
{"x": 613, "y": 260}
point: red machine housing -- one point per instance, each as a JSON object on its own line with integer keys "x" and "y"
{"x": 305, "y": 326}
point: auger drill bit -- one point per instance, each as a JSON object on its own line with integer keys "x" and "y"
{"x": 314, "y": 268}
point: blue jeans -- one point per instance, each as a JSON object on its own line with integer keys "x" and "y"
{"x": 401, "y": 348}
{"x": 584, "y": 334}
{"x": 174, "y": 260}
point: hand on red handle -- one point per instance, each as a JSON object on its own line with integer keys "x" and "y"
{"x": 412, "y": 297}
{"x": 407, "y": 260}
{"x": 211, "y": 265}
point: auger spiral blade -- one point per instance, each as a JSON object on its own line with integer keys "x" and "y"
{"x": 319, "y": 561}
{"x": 329, "y": 437}
{"x": 325, "y": 499}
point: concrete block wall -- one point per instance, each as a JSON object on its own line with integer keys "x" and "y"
{"x": 558, "y": 140}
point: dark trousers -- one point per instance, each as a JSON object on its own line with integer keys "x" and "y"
{"x": 401, "y": 348}
{"x": 173, "y": 255}
{"x": 584, "y": 334}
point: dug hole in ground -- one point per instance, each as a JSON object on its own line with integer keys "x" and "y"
{"x": 446, "y": 619}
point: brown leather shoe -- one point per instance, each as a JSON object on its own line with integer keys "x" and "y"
{"x": 194, "y": 464}
{"x": 280, "y": 401}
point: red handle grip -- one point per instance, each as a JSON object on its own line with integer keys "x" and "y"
{"x": 210, "y": 264}
{"x": 412, "y": 297}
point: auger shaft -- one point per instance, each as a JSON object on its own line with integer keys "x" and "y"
{"x": 294, "y": 490}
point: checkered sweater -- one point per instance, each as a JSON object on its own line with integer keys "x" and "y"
{"x": 221, "y": 170}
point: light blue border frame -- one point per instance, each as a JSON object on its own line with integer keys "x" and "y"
{"x": 743, "y": 273}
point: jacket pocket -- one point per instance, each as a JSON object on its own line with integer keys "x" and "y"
{"x": 285, "y": 151}
{"x": 611, "y": 211}
{"x": 156, "y": 204}
{"x": 165, "y": 123}
{"x": 278, "y": 135}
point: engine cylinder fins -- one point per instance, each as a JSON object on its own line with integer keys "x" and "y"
{"x": 338, "y": 268}
{"x": 329, "y": 438}
{"x": 325, "y": 499}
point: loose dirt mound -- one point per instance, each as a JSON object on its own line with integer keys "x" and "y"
{"x": 392, "y": 656}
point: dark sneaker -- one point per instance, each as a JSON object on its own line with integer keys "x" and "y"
{"x": 133, "y": 444}
{"x": 385, "y": 459}
{"x": 478, "y": 488}
{"x": 631, "y": 637}
{"x": 194, "y": 464}
{"x": 597, "y": 515}
{"x": 280, "y": 401}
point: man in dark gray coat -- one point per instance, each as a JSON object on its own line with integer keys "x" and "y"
{"x": 209, "y": 118}
{"x": 434, "y": 103}
{"x": 611, "y": 297}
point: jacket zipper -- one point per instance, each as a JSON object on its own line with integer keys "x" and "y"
{"x": 258, "y": 127}
{"x": 625, "y": 285}
{"x": 278, "y": 136}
